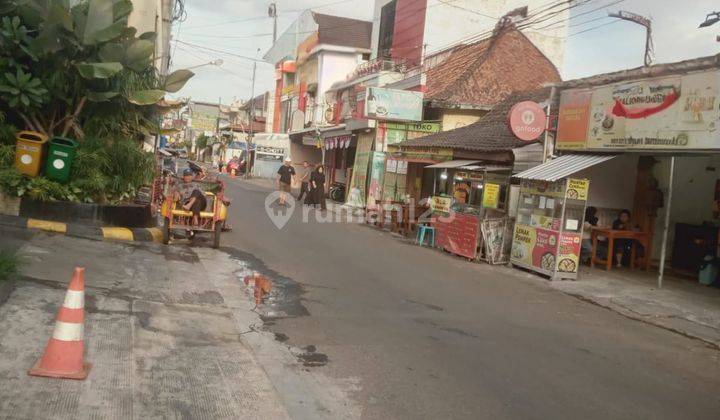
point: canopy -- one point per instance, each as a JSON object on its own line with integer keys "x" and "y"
{"x": 452, "y": 164}
{"x": 563, "y": 166}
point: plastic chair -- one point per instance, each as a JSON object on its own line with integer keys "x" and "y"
{"x": 422, "y": 229}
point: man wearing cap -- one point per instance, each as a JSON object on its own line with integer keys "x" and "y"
{"x": 286, "y": 176}
{"x": 191, "y": 195}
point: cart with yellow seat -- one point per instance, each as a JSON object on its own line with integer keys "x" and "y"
{"x": 211, "y": 219}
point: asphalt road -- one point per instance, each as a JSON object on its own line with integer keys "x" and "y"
{"x": 414, "y": 333}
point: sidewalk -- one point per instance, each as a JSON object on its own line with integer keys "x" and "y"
{"x": 162, "y": 339}
{"x": 682, "y": 305}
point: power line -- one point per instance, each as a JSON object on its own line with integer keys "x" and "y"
{"x": 594, "y": 28}
{"x": 221, "y": 51}
{"x": 448, "y": 3}
{"x": 582, "y": 14}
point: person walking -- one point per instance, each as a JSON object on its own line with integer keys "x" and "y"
{"x": 286, "y": 176}
{"x": 317, "y": 182}
{"x": 304, "y": 180}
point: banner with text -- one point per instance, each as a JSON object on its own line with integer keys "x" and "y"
{"x": 675, "y": 112}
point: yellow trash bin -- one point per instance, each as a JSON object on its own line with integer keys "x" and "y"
{"x": 29, "y": 151}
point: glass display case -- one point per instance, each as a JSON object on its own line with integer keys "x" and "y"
{"x": 548, "y": 229}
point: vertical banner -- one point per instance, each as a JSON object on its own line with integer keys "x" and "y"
{"x": 357, "y": 191}
{"x": 574, "y": 119}
{"x": 377, "y": 176}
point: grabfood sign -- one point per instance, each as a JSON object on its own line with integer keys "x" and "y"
{"x": 675, "y": 112}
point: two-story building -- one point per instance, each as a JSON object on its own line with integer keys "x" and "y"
{"x": 315, "y": 52}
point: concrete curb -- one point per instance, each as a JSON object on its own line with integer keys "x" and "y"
{"x": 84, "y": 231}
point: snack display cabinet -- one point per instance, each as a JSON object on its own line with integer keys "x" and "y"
{"x": 549, "y": 227}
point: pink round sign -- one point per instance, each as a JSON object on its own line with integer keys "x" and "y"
{"x": 527, "y": 120}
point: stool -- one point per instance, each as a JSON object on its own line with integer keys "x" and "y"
{"x": 421, "y": 235}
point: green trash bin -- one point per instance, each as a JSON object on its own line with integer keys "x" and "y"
{"x": 29, "y": 151}
{"x": 61, "y": 154}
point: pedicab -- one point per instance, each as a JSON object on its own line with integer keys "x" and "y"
{"x": 210, "y": 220}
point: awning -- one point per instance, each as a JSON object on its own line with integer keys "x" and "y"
{"x": 563, "y": 166}
{"x": 452, "y": 164}
{"x": 487, "y": 168}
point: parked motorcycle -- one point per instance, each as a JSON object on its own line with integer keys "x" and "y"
{"x": 337, "y": 192}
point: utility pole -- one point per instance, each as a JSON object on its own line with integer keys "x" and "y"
{"x": 642, "y": 21}
{"x": 251, "y": 135}
{"x": 272, "y": 12}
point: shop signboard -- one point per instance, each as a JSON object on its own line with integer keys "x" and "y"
{"x": 270, "y": 153}
{"x": 527, "y": 120}
{"x": 440, "y": 205}
{"x": 391, "y": 133}
{"x": 568, "y": 259}
{"x": 535, "y": 247}
{"x": 577, "y": 189}
{"x": 665, "y": 113}
{"x": 393, "y": 104}
{"x": 491, "y": 196}
{"x": 203, "y": 122}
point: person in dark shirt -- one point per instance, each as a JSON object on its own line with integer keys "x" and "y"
{"x": 191, "y": 195}
{"x": 622, "y": 246}
{"x": 286, "y": 175}
{"x": 317, "y": 186}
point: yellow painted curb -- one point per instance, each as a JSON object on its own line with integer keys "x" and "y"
{"x": 156, "y": 234}
{"x": 47, "y": 225}
{"x": 116, "y": 233}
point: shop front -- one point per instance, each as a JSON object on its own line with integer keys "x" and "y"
{"x": 647, "y": 145}
{"x": 469, "y": 203}
{"x": 270, "y": 151}
{"x": 340, "y": 148}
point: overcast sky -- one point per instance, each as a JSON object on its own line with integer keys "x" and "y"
{"x": 242, "y": 27}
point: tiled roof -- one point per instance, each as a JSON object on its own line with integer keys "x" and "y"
{"x": 485, "y": 72}
{"x": 490, "y": 134}
{"x": 344, "y": 32}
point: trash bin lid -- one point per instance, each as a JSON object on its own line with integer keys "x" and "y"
{"x": 33, "y": 136}
{"x": 62, "y": 141}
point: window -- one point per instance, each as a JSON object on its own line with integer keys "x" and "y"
{"x": 387, "y": 29}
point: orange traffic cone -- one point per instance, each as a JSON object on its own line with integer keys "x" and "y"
{"x": 65, "y": 350}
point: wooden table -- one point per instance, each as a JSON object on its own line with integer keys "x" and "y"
{"x": 642, "y": 238}
{"x": 382, "y": 207}
{"x": 410, "y": 219}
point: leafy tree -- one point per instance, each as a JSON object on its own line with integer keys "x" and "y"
{"x": 63, "y": 66}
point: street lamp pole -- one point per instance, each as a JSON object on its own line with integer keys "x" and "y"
{"x": 711, "y": 19}
{"x": 251, "y": 131}
{"x": 647, "y": 24}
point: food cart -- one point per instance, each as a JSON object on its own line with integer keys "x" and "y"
{"x": 467, "y": 194}
{"x": 549, "y": 226}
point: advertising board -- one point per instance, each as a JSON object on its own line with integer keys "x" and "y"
{"x": 665, "y": 113}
